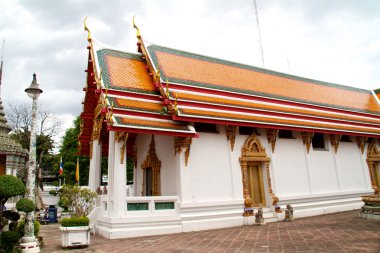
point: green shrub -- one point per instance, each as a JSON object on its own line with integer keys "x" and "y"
{"x": 9, "y": 239}
{"x": 78, "y": 200}
{"x": 53, "y": 192}
{"x": 21, "y": 225}
{"x": 11, "y": 186}
{"x": 25, "y": 205}
{"x": 75, "y": 222}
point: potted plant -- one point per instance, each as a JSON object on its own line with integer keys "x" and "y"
{"x": 76, "y": 230}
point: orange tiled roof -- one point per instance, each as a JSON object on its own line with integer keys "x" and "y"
{"x": 124, "y": 71}
{"x": 264, "y": 97}
{"x": 127, "y": 74}
{"x": 204, "y": 72}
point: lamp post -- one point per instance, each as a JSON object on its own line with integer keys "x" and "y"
{"x": 29, "y": 241}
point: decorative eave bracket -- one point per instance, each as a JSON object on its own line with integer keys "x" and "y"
{"x": 231, "y": 135}
{"x": 361, "y": 140}
{"x": 122, "y": 137}
{"x": 335, "y": 140}
{"x": 182, "y": 143}
{"x": 272, "y": 137}
{"x": 307, "y": 138}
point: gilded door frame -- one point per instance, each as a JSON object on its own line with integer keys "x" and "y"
{"x": 151, "y": 161}
{"x": 254, "y": 151}
{"x": 373, "y": 158}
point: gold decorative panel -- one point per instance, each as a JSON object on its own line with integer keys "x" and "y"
{"x": 253, "y": 152}
{"x": 373, "y": 159}
{"x": 151, "y": 161}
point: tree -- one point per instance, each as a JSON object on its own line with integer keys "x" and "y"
{"x": 68, "y": 151}
{"x": 48, "y": 126}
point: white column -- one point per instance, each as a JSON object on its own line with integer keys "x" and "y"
{"x": 120, "y": 178}
{"x": 111, "y": 152}
{"x": 95, "y": 166}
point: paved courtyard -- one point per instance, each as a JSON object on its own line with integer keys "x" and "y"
{"x": 339, "y": 232}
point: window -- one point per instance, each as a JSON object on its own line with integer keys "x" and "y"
{"x": 285, "y": 134}
{"x": 318, "y": 141}
{"x": 345, "y": 138}
{"x": 205, "y": 127}
{"x": 244, "y": 130}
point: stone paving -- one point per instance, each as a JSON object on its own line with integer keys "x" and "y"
{"x": 340, "y": 232}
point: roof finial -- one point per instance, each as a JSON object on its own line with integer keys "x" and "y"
{"x": 138, "y": 35}
{"x": 86, "y": 29}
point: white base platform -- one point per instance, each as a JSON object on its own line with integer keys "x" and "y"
{"x": 203, "y": 216}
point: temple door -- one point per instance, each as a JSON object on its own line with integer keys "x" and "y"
{"x": 2, "y": 169}
{"x": 255, "y": 184}
{"x": 148, "y": 181}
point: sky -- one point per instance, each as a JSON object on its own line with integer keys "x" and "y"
{"x": 335, "y": 41}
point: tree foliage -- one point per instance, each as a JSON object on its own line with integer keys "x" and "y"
{"x": 68, "y": 152}
{"x": 80, "y": 201}
{"x": 25, "y": 205}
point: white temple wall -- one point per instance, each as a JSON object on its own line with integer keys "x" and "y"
{"x": 351, "y": 171}
{"x": 169, "y": 165}
{"x": 170, "y": 168}
{"x": 210, "y": 169}
{"x": 290, "y": 168}
{"x": 322, "y": 170}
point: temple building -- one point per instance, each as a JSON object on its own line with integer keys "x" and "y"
{"x": 211, "y": 140}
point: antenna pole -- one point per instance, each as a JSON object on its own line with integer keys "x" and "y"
{"x": 258, "y": 28}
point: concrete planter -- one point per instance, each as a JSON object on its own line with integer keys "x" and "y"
{"x": 75, "y": 236}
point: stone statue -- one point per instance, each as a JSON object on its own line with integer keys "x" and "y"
{"x": 289, "y": 213}
{"x": 259, "y": 219}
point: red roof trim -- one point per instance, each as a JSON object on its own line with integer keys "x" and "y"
{"x": 277, "y": 114}
{"x": 264, "y": 99}
{"x": 148, "y": 131}
{"x": 271, "y": 126}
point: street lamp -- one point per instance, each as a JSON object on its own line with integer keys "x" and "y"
{"x": 29, "y": 241}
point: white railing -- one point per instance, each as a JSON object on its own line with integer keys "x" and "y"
{"x": 146, "y": 206}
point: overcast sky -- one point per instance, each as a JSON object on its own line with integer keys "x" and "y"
{"x": 336, "y": 41}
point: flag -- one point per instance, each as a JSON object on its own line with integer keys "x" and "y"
{"x": 60, "y": 168}
{"x": 77, "y": 172}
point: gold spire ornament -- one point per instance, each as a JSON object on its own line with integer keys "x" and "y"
{"x": 138, "y": 34}
{"x": 86, "y": 29}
